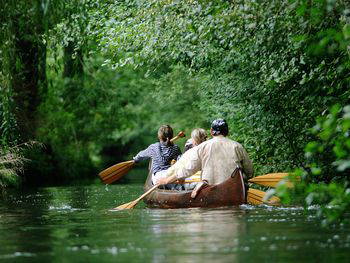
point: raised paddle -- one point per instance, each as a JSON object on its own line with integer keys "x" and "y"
{"x": 132, "y": 204}
{"x": 272, "y": 179}
{"x": 256, "y": 197}
{"x": 117, "y": 171}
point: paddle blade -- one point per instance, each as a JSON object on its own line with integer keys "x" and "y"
{"x": 271, "y": 180}
{"x": 115, "y": 172}
{"x": 129, "y": 205}
{"x": 256, "y": 197}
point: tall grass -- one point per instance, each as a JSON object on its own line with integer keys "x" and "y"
{"x": 12, "y": 162}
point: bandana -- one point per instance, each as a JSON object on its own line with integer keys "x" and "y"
{"x": 219, "y": 127}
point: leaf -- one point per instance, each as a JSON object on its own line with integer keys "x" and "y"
{"x": 346, "y": 31}
{"x": 342, "y": 165}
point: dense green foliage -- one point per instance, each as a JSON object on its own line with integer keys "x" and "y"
{"x": 258, "y": 63}
{"x": 105, "y": 74}
{"x": 326, "y": 181}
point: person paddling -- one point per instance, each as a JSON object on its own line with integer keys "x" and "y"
{"x": 161, "y": 153}
{"x": 217, "y": 158}
{"x": 198, "y": 136}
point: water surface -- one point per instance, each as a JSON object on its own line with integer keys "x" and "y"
{"x": 64, "y": 224}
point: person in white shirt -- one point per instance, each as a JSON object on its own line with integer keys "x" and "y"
{"x": 198, "y": 136}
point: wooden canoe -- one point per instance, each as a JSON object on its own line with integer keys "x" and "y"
{"x": 229, "y": 193}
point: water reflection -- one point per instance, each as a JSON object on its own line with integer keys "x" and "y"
{"x": 195, "y": 234}
{"x": 67, "y": 224}
{"x": 25, "y": 214}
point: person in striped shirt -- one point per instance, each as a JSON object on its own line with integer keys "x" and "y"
{"x": 161, "y": 153}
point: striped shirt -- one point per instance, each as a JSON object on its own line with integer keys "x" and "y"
{"x": 161, "y": 155}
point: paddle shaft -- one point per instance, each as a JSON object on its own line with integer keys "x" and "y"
{"x": 132, "y": 204}
{"x": 147, "y": 193}
{"x": 180, "y": 135}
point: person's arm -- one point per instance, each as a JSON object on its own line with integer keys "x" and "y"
{"x": 198, "y": 187}
{"x": 192, "y": 164}
{"x": 247, "y": 164}
{"x": 167, "y": 180}
{"x": 143, "y": 155}
{"x": 171, "y": 172}
{"x": 188, "y": 165}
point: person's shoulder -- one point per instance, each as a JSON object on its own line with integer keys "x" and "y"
{"x": 189, "y": 143}
{"x": 204, "y": 145}
{"x": 235, "y": 144}
{"x": 232, "y": 142}
{"x": 191, "y": 152}
{"x": 174, "y": 148}
{"x": 177, "y": 148}
{"x": 156, "y": 144}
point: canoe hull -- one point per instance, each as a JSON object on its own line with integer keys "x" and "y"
{"x": 229, "y": 193}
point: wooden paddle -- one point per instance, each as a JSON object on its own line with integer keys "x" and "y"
{"x": 272, "y": 179}
{"x": 256, "y": 197}
{"x": 132, "y": 204}
{"x": 117, "y": 171}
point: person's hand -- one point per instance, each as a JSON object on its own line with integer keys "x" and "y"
{"x": 198, "y": 187}
{"x": 180, "y": 181}
{"x": 194, "y": 194}
{"x": 162, "y": 181}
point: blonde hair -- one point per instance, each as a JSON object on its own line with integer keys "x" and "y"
{"x": 198, "y": 136}
{"x": 165, "y": 134}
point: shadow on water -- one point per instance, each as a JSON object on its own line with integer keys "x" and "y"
{"x": 75, "y": 224}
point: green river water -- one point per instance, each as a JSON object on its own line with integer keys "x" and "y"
{"x": 74, "y": 224}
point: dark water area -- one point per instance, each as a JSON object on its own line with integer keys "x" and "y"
{"x": 74, "y": 224}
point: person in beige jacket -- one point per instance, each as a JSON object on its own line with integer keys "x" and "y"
{"x": 217, "y": 158}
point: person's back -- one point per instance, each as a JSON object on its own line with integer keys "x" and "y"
{"x": 161, "y": 153}
{"x": 219, "y": 157}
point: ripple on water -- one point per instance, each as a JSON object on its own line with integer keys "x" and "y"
{"x": 52, "y": 225}
{"x": 64, "y": 208}
{"x": 17, "y": 254}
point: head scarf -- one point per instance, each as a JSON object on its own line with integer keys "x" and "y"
{"x": 219, "y": 127}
